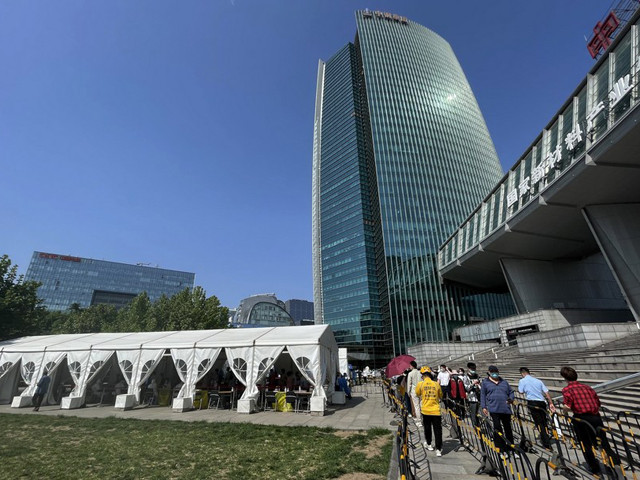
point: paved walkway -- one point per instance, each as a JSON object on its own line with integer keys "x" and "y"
{"x": 460, "y": 465}
{"x": 362, "y": 412}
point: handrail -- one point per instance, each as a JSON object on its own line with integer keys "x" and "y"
{"x": 466, "y": 357}
{"x": 612, "y": 385}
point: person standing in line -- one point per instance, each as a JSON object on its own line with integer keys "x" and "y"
{"x": 343, "y": 383}
{"x": 406, "y": 398}
{"x": 472, "y": 386}
{"x": 536, "y": 391}
{"x": 414, "y": 379}
{"x": 41, "y": 391}
{"x": 584, "y": 402}
{"x": 496, "y": 397}
{"x": 444, "y": 377}
{"x": 430, "y": 395}
{"x": 458, "y": 397}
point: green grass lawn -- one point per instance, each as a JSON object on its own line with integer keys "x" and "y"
{"x": 67, "y": 447}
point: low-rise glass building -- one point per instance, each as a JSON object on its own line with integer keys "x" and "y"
{"x": 67, "y": 280}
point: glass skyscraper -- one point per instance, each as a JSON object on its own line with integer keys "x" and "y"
{"x": 67, "y": 280}
{"x": 401, "y": 156}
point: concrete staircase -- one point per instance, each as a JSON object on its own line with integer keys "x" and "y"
{"x": 594, "y": 366}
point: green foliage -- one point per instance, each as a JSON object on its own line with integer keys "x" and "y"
{"x": 60, "y": 447}
{"x": 187, "y": 310}
{"x": 20, "y": 309}
{"x": 96, "y": 318}
{"x": 21, "y": 313}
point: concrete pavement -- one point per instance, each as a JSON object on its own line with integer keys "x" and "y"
{"x": 453, "y": 465}
{"x": 364, "y": 411}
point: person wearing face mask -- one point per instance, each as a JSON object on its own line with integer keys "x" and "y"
{"x": 444, "y": 377}
{"x": 458, "y": 397}
{"x": 472, "y": 386}
{"x": 496, "y": 397}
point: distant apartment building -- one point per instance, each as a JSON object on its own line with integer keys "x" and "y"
{"x": 67, "y": 280}
{"x": 300, "y": 310}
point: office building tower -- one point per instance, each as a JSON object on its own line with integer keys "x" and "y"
{"x": 299, "y": 310}
{"x": 68, "y": 280}
{"x": 401, "y": 156}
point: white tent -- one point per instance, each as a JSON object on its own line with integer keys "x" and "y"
{"x": 250, "y": 352}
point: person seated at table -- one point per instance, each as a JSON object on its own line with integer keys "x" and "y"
{"x": 272, "y": 380}
{"x": 96, "y": 389}
{"x": 229, "y": 378}
{"x": 213, "y": 382}
{"x": 344, "y": 385}
{"x": 289, "y": 383}
{"x": 296, "y": 381}
{"x": 120, "y": 387}
{"x": 177, "y": 388}
{"x": 282, "y": 380}
{"x": 153, "y": 386}
{"x": 304, "y": 384}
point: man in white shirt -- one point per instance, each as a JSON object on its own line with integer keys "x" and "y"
{"x": 444, "y": 379}
{"x": 414, "y": 378}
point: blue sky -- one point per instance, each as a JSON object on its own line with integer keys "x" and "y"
{"x": 180, "y": 133}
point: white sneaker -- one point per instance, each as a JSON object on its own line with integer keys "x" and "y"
{"x": 515, "y": 455}
{"x": 410, "y": 416}
{"x": 429, "y": 447}
{"x": 438, "y": 453}
{"x": 425, "y": 445}
{"x": 418, "y": 424}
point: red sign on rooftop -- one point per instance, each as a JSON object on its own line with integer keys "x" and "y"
{"x": 602, "y": 33}
{"x": 55, "y": 256}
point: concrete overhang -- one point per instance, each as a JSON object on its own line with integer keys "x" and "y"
{"x": 551, "y": 226}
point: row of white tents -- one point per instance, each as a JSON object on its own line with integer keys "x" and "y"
{"x": 250, "y": 353}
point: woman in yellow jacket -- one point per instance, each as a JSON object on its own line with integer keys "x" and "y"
{"x": 430, "y": 393}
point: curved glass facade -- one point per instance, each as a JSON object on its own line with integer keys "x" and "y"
{"x": 262, "y": 311}
{"x": 269, "y": 315}
{"x": 401, "y": 156}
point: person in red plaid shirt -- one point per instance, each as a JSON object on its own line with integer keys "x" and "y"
{"x": 585, "y": 404}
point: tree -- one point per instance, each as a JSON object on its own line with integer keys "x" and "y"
{"x": 190, "y": 310}
{"x": 21, "y": 313}
{"x": 20, "y": 309}
{"x": 135, "y": 317}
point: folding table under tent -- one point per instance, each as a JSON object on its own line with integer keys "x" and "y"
{"x": 250, "y": 352}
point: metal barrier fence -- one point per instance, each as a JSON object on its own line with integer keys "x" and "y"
{"x": 543, "y": 444}
{"x": 609, "y": 443}
{"x": 407, "y": 467}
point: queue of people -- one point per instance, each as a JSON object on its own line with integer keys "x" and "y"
{"x": 426, "y": 392}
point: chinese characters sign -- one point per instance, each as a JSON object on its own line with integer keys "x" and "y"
{"x": 54, "y": 256}
{"x": 554, "y": 159}
{"x": 602, "y": 33}
{"x": 389, "y": 16}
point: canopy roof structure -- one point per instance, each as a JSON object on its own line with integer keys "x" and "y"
{"x": 250, "y": 353}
